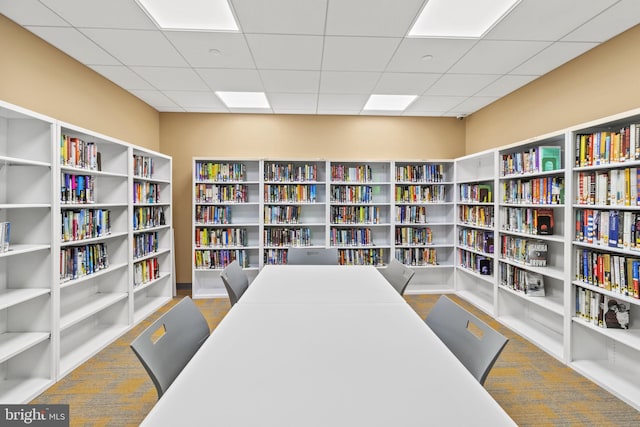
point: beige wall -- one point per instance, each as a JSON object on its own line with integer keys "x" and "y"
{"x": 602, "y": 82}
{"x": 39, "y": 77}
{"x": 184, "y": 136}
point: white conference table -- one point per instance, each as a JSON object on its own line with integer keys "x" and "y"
{"x": 324, "y": 364}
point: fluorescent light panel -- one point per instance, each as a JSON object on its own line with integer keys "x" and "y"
{"x": 244, "y": 99}
{"x": 389, "y": 102}
{"x": 211, "y": 15}
{"x": 460, "y": 18}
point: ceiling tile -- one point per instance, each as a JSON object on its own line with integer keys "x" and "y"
{"x": 31, "y": 12}
{"x": 505, "y": 85}
{"x": 155, "y": 98}
{"x": 136, "y": 47}
{"x": 212, "y": 49}
{"x": 470, "y": 105}
{"x": 340, "y": 103}
{"x": 281, "y": 16}
{"x": 201, "y": 100}
{"x": 358, "y": 53}
{"x": 164, "y": 78}
{"x": 286, "y": 52}
{"x": 444, "y": 53}
{"x": 405, "y": 83}
{"x": 620, "y": 17}
{"x": 123, "y": 77}
{"x": 497, "y": 56}
{"x": 102, "y": 14}
{"x": 348, "y": 82}
{"x": 383, "y": 18}
{"x": 460, "y": 84}
{"x": 231, "y": 80}
{"x": 74, "y": 44}
{"x": 552, "y": 57}
{"x": 283, "y": 102}
{"x": 290, "y": 81}
{"x": 546, "y": 19}
{"x": 439, "y": 104}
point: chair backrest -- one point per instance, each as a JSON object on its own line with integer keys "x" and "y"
{"x": 235, "y": 281}
{"x": 165, "y": 347}
{"x": 473, "y": 342}
{"x": 312, "y": 256}
{"x": 398, "y": 275}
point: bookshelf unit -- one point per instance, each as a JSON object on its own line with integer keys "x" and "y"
{"x": 27, "y": 289}
{"x": 531, "y": 240}
{"x": 475, "y": 262}
{"x": 605, "y": 269}
{"x": 294, "y": 207}
{"x": 151, "y": 256}
{"x": 423, "y": 223}
{"x": 363, "y": 188}
{"x": 226, "y": 221}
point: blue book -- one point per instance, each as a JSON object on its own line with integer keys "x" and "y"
{"x": 614, "y": 228}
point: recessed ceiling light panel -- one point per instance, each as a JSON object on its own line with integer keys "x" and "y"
{"x": 389, "y": 102}
{"x": 460, "y": 18}
{"x": 244, "y": 99}
{"x": 203, "y": 15}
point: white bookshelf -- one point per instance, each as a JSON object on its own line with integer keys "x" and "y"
{"x": 27, "y": 289}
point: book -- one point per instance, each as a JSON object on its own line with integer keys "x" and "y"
{"x": 616, "y": 313}
{"x": 5, "y": 236}
{"x": 484, "y": 193}
{"x": 549, "y": 158}
{"x": 534, "y": 284}
{"x": 544, "y": 218}
{"x": 536, "y": 254}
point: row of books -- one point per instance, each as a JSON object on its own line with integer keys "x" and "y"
{"x": 300, "y": 236}
{"x": 213, "y": 214}
{"x": 417, "y": 256}
{"x": 606, "y": 147}
{"x": 79, "y": 261}
{"x": 220, "y": 193}
{"x": 275, "y": 256}
{"x": 523, "y": 250}
{"x": 290, "y": 172}
{"x": 352, "y": 194}
{"x": 76, "y": 153}
{"x": 611, "y": 228}
{"x": 615, "y": 273}
{"x": 145, "y": 271}
{"x": 476, "y": 193}
{"x": 614, "y": 187}
{"x": 350, "y": 236}
{"x": 220, "y": 237}
{"x": 420, "y": 193}
{"x": 602, "y": 310}
{"x": 220, "y": 172}
{"x": 475, "y": 262}
{"x": 411, "y": 214}
{"x": 80, "y": 224}
{"x": 77, "y": 188}
{"x": 481, "y": 216}
{"x": 534, "y": 160}
{"x": 345, "y": 173}
{"x": 521, "y": 280}
{"x": 479, "y": 240}
{"x": 220, "y": 258}
{"x": 148, "y": 217}
{"x": 414, "y": 236}
{"x": 143, "y": 166}
{"x": 375, "y": 257}
{"x": 537, "y": 191}
{"x": 433, "y": 172}
{"x": 5, "y": 236}
{"x": 282, "y": 214}
{"x": 355, "y": 214}
{"x": 535, "y": 221}
{"x": 146, "y": 192}
{"x": 288, "y": 193}
{"x": 145, "y": 244}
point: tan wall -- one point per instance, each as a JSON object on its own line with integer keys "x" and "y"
{"x": 602, "y": 82}
{"x": 184, "y": 136}
{"x": 39, "y": 77}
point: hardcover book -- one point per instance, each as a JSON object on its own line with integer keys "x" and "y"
{"x": 549, "y": 158}
{"x": 534, "y": 284}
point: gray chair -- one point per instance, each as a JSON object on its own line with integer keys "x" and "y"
{"x": 165, "y": 347}
{"x": 312, "y": 256}
{"x": 472, "y": 341}
{"x": 235, "y": 281}
{"x": 398, "y": 274}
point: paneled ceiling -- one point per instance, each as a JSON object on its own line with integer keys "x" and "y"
{"x": 322, "y": 56}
